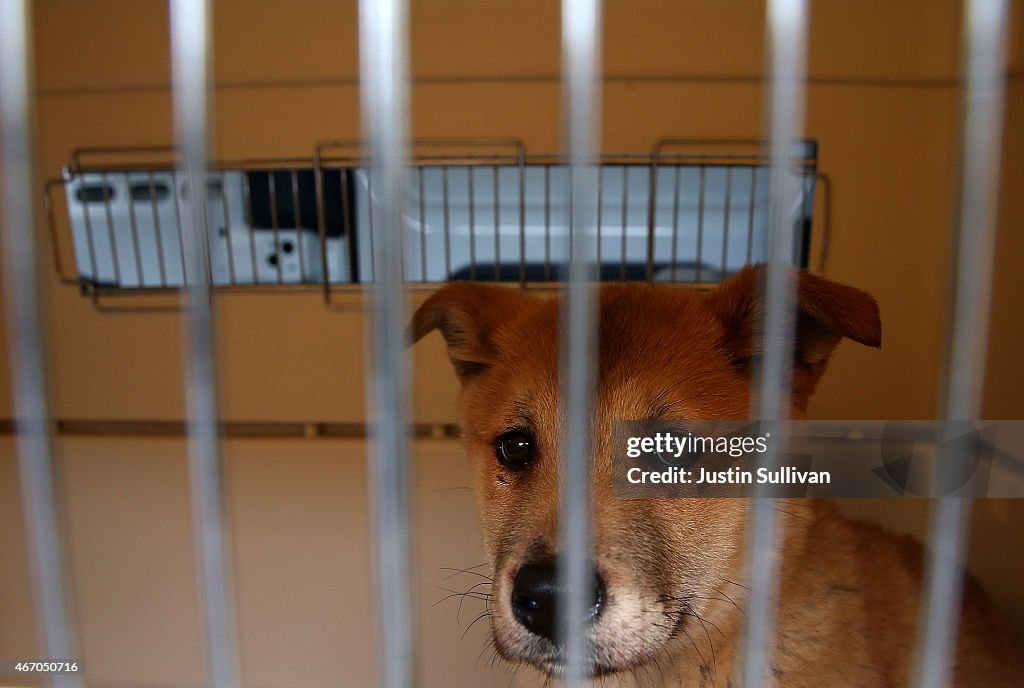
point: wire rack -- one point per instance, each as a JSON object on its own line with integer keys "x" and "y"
{"x": 688, "y": 211}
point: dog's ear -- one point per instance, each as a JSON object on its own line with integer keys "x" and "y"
{"x": 470, "y": 318}
{"x": 826, "y": 313}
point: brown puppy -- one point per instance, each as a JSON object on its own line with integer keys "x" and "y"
{"x": 670, "y": 590}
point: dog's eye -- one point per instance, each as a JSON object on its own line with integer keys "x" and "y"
{"x": 514, "y": 450}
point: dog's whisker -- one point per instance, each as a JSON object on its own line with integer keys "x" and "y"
{"x": 470, "y": 572}
{"x": 660, "y": 668}
{"x": 493, "y": 660}
{"x": 783, "y": 511}
{"x": 703, "y": 621}
{"x": 513, "y": 676}
{"x": 711, "y": 644}
{"x": 773, "y": 598}
{"x": 696, "y": 649}
{"x": 488, "y": 644}
{"x": 477, "y": 596}
{"x": 724, "y": 598}
{"x": 454, "y": 593}
{"x": 472, "y": 588}
{"x": 471, "y": 591}
{"x": 475, "y": 585}
{"x": 484, "y": 596}
{"x": 473, "y": 623}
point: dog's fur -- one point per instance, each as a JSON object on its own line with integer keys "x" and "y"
{"x": 848, "y": 608}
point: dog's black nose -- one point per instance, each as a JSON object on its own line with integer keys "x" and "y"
{"x": 536, "y": 592}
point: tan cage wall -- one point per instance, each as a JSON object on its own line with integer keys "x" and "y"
{"x": 881, "y": 101}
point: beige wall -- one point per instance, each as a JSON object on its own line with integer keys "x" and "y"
{"x": 301, "y": 545}
{"x": 882, "y": 102}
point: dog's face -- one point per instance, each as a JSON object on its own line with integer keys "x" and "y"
{"x": 665, "y": 353}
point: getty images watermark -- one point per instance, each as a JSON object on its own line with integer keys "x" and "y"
{"x": 828, "y": 459}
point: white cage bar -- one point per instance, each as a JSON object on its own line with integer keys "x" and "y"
{"x": 383, "y": 45}
{"x": 984, "y": 45}
{"x": 51, "y": 596}
{"x": 786, "y": 40}
{"x": 581, "y": 103}
{"x": 189, "y": 24}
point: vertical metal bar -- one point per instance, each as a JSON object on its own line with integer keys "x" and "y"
{"x": 750, "y": 214}
{"x": 445, "y": 203}
{"x": 134, "y": 225}
{"x": 825, "y": 182}
{"x": 51, "y": 223}
{"x": 600, "y": 213}
{"x": 297, "y": 207}
{"x": 652, "y": 210}
{"x": 625, "y": 218}
{"x": 371, "y": 234}
{"x": 346, "y": 222}
{"x": 675, "y": 225}
{"x": 189, "y": 21}
{"x": 321, "y": 227}
{"x": 207, "y": 248}
{"x": 156, "y": 230}
{"x": 105, "y": 186}
{"x": 383, "y": 43}
{"x": 497, "y": 226}
{"x": 247, "y": 197}
{"x": 177, "y": 220}
{"x": 406, "y": 182}
{"x": 472, "y": 225}
{"x": 547, "y": 223}
{"x": 786, "y": 40}
{"x": 985, "y": 24}
{"x": 272, "y": 193}
{"x": 521, "y": 164}
{"x": 25, "y": 327}
{"x": 90, "y": 241}
{"x": 569, "y": 212}
{"x": 807, "y": 205}
{"x": 581, "y": 32}
{"x": 700, "y": 223}
{"x": 725, "y": 222}
{"x": 423, "y": 225}
{"x": 227, "y": 228}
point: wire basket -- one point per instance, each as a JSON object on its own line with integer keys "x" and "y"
{"x": 690, "y": 211}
